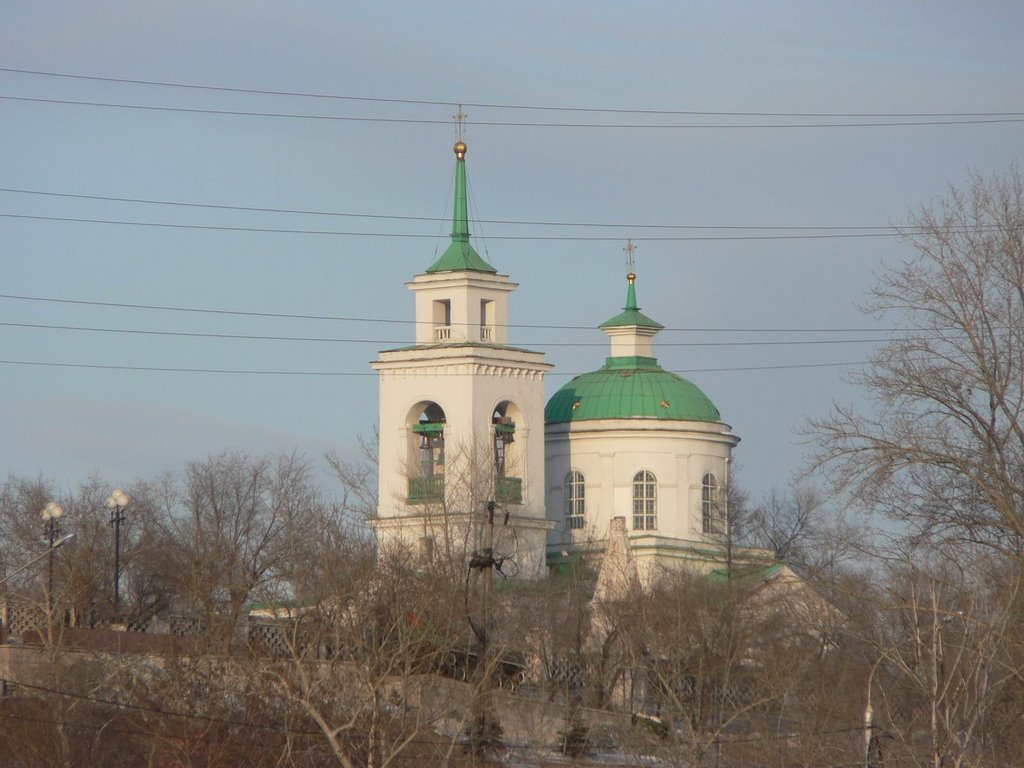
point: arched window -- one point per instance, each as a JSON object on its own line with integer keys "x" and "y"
{"x": 645, "y": 501}
{"x": 575, "y": 499}
{"x": 710, "y": 508}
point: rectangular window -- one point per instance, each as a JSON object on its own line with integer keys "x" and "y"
{"x": 442, "y": 320}
{"x": 486, "y": 320}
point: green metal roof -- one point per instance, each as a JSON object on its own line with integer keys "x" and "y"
{"x": 460, "y": 255}
{"x": 745, "y": 574}
{"x": 630, "y": 388}
{"x": 631, "y": 314}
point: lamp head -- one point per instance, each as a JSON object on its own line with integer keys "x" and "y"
{"x": 53, "y": 511}
{"x": 118, "y": 500}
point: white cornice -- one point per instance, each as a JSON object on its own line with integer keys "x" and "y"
{"x": 465, "y": 361}
{"x": 639, "y": 427}
{"x": 464, "y": 279}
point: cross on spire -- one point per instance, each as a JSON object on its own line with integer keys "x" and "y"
{"x": 629, "y": 255}
{"x": 459, "y": 118}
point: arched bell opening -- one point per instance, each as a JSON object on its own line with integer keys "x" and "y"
{"x": 426, "y": 453}
{"x": 509, "y": 451}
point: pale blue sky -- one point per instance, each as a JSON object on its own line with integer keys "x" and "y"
{"x": 792, "y": 57}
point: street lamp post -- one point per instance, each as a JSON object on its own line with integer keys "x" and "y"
{"x": 118, "y": 501}
{"x": 52, "y": 513}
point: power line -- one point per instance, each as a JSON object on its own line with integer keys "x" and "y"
{"x": 242, "y": 313}
{"x": 494, "y": 105}
{"x": 334, "y": 340}
{"x": 258, "y": 372}
{"x": 521, "y": 124}
{"x": 434, "y": 236}
{"x": 397, "y": 217}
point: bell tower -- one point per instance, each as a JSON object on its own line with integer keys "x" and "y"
{"x": 462, "y": 416}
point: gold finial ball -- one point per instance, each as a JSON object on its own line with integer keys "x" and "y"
{"x": 631, "y": 277}
{"x": 460, "y": 149}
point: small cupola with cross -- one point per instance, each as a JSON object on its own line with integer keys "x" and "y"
{"x": 631, "y": 331}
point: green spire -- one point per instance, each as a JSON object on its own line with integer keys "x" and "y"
{"x": 631, "y": 314}
{"x": 631, "y": 294}
{"x": 460, "y": 255}
{"x": 460, "y": 211}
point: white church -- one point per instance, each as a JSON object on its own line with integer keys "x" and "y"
{"x": 463, "y": 422}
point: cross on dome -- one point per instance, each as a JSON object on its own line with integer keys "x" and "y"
{"x": 459, "y": 118}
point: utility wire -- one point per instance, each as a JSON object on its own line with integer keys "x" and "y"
{"x": 325, "y": 339}
{"x": 512, "y": 222}
{"x": 493, "y": 105}
{"x": 513, "y": 124}
{"x": 240, "y": 313}
{"x": 257, "y": 372}
{"x": 433, "y": 236}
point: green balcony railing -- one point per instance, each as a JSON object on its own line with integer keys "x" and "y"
{"x": 423, "y": 490}
{"x": 508, "y": 490}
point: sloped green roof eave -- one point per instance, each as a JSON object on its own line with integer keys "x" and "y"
{"x": 631, "y": 314}
{"x": 460, "y": 256}
{"x": 628, "y": 388}
{"x": 629, "y": 317}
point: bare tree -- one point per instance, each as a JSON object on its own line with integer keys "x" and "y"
{"x": 228, "y": 532}
{"x": 358, "y": 662}
{"x": 718, "y": 667}
{"x": 944, "y": 450}
{"x": 785, "y": 524}
{"x": 948, "y": 663}
{"x": 358, "y": 476}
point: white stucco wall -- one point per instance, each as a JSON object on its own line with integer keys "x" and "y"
{"x": 468, "y": 383}
{"x": 610, "y": 452}
{"x": 464, "y": 291}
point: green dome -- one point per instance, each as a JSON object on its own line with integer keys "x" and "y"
{"x": 630, "y": 388}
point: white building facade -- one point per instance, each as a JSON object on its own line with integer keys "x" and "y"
{"x": 462, "y": 417}
{"x": 635, "y": 441}
{"x": 463, "y": 422}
